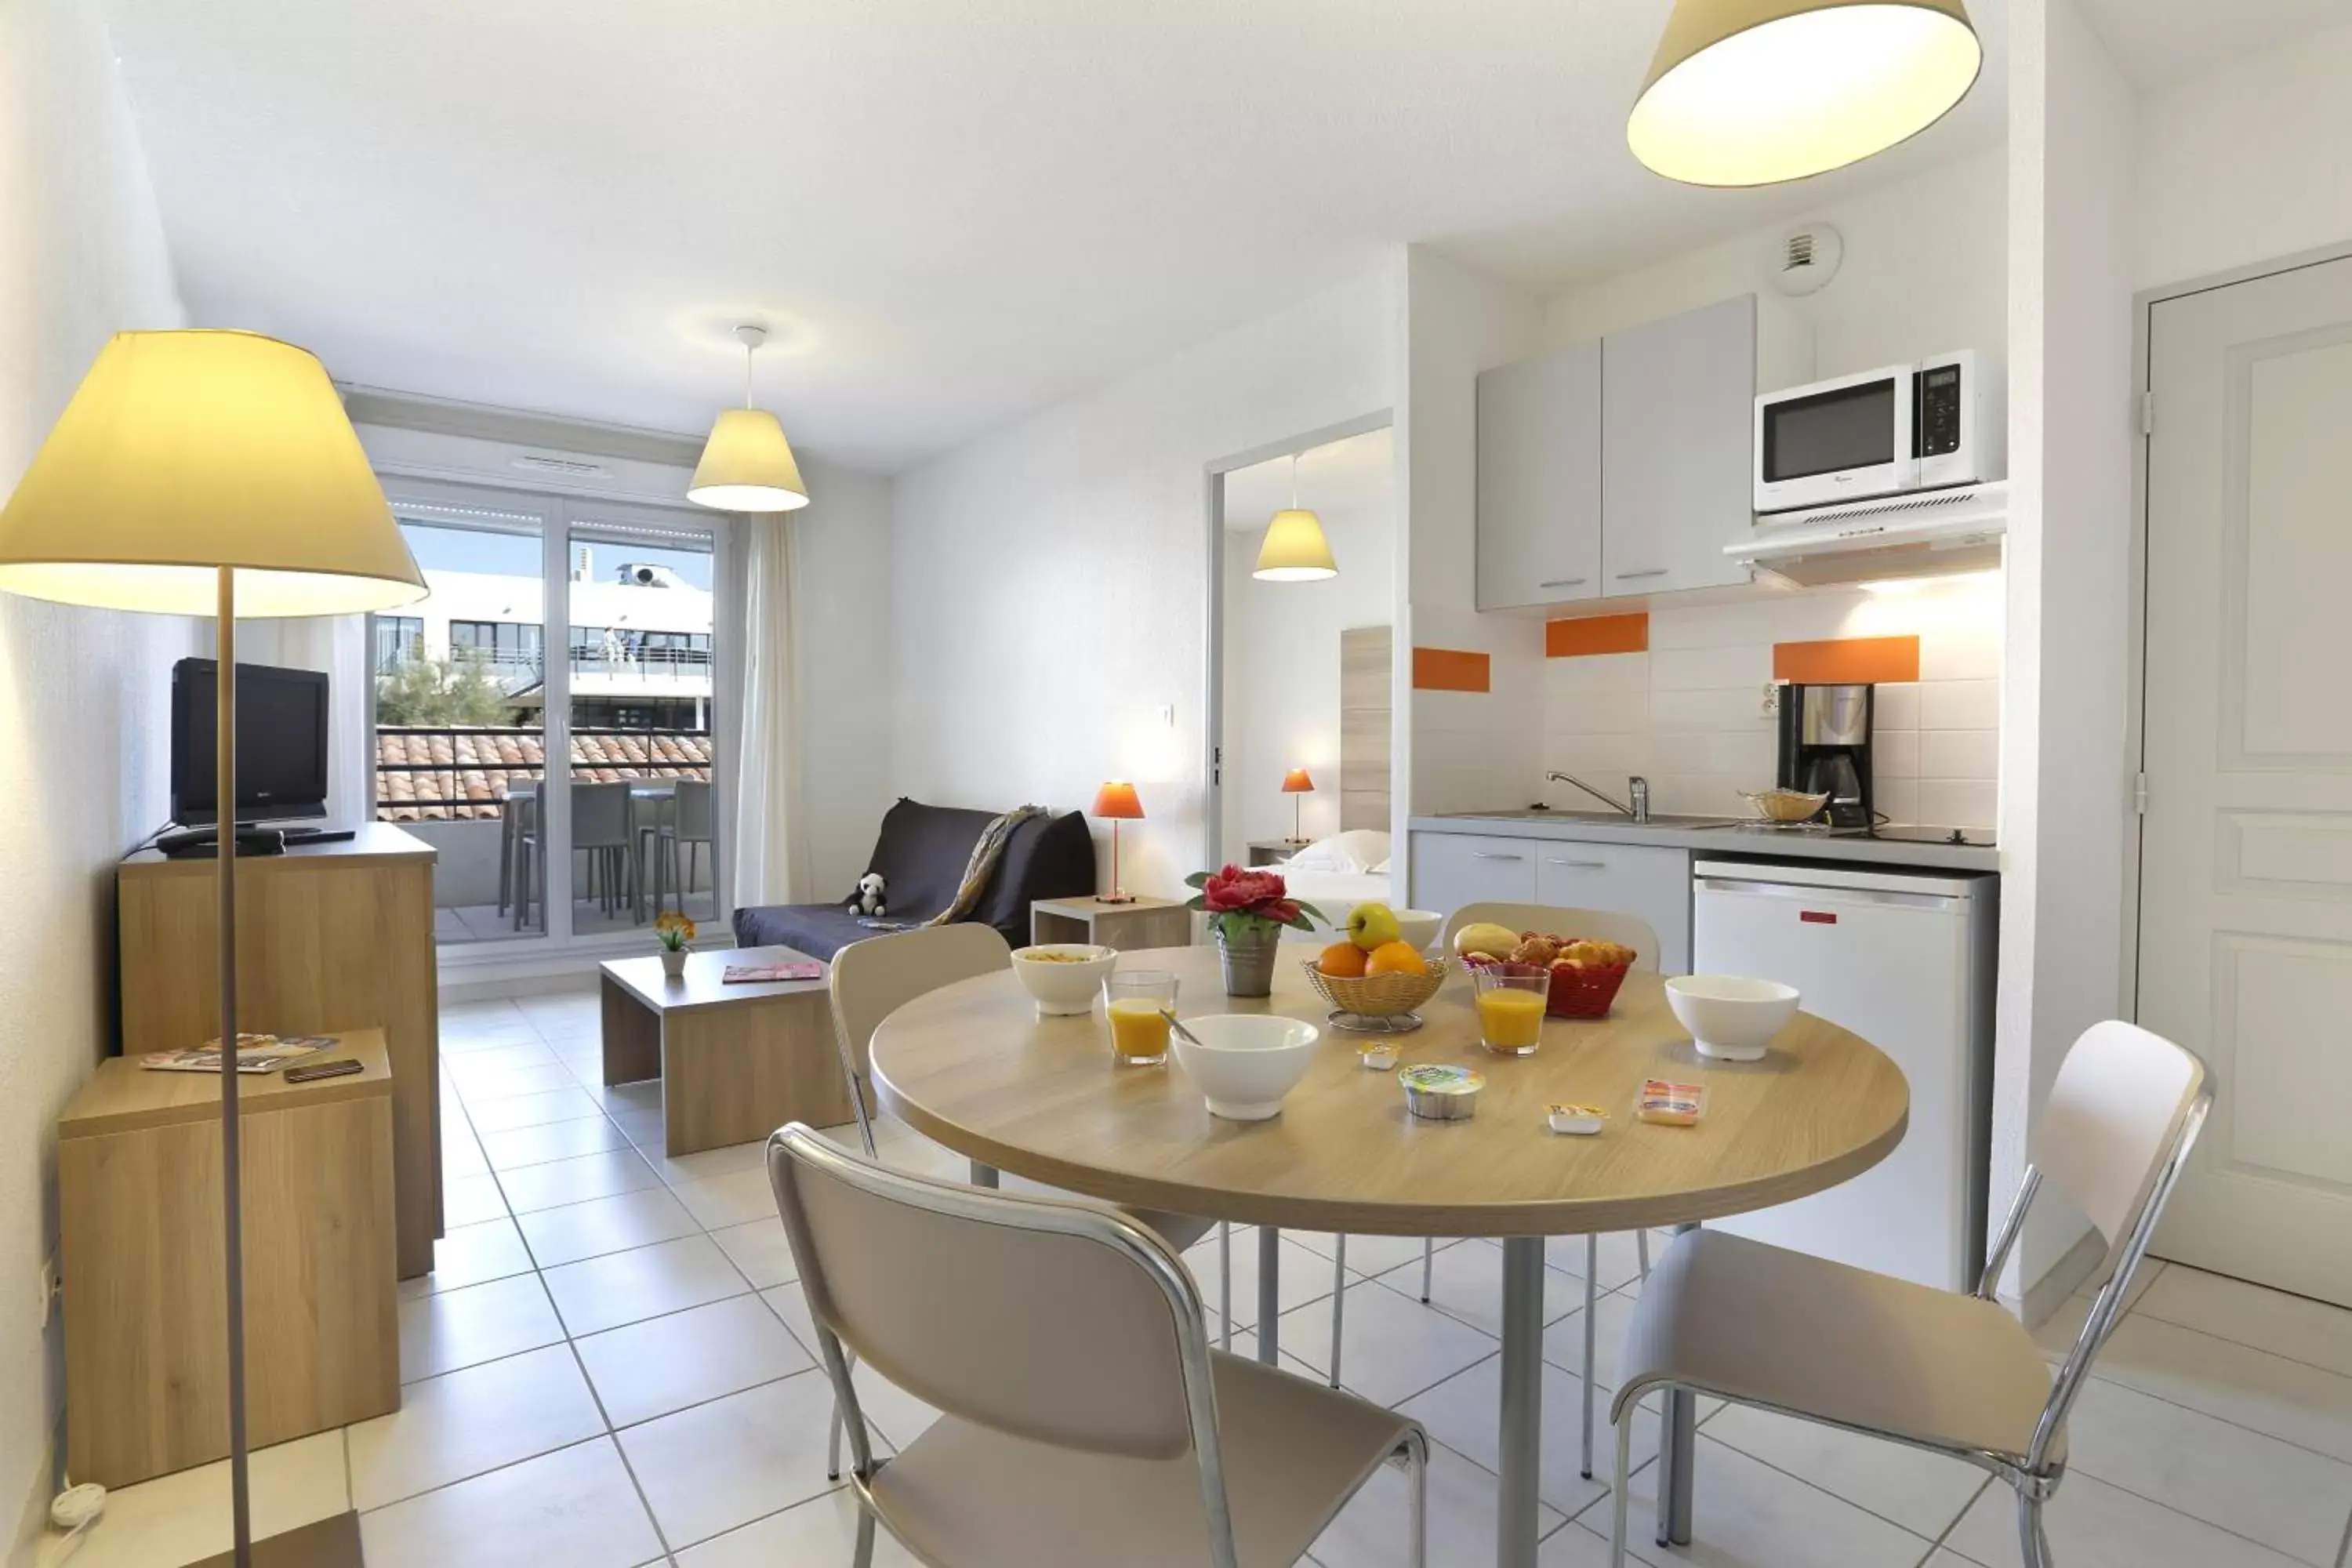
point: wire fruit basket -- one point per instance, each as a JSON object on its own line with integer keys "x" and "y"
{"x": 1378, "y": 1004}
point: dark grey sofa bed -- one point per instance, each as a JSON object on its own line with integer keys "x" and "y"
{"x": 922, "y": 852}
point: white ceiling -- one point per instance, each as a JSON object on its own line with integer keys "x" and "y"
{"x": 952, "y": 213}
{"x": 2159, "y": 41}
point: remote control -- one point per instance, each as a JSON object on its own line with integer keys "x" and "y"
{"x": 312, "y": 1071}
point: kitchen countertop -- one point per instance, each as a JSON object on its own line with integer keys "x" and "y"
{"x": 1733, "y": 841}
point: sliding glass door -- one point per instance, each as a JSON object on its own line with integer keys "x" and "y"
{"x": 556, "y": 627}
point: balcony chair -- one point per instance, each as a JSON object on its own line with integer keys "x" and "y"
{"x": 1954, "y": 1374}
{"x": 1084, "y": 1417}
{"x": 686, "y": 820}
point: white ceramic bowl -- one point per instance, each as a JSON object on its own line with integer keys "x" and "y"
{"x": 1730, "y": 1017}
{"x": 1064, "y": 986}
{"x": 1246, "y": 1062}
{"x": 1418, "y": 926}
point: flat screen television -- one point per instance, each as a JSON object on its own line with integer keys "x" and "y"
{"x": 281, "y": 743}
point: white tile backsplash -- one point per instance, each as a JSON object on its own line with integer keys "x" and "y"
{"x": 1689, "y": 713}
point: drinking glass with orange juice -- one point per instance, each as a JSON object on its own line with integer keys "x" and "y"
{"x": 1138, "y": 1002}
{"x": 1511, "y": 999}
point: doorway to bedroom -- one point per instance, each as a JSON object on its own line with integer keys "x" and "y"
{"x": 1303, "y": 666}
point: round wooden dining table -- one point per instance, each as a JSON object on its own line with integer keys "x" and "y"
{"x": 973, "y": 1067}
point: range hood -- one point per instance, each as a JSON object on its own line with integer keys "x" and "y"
{"x": 1928, "y": 535}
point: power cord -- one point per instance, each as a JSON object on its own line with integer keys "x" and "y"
{"x": 73, "y": 1510}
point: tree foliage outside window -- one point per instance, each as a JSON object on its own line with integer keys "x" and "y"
{"x": 455, "y": 688}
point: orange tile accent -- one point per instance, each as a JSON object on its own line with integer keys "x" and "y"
{"x": 1846, "y": 659}
{"x": 1450, "y": 669}
{"x": 1596, "y": 634}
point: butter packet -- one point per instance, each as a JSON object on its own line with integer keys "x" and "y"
{"x": 1577, "y": 1120}
{"x": 1670, "y": 1104}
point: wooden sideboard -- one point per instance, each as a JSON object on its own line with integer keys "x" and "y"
{"x": 331, "y": 938}
{"x": 138, "y": 1197}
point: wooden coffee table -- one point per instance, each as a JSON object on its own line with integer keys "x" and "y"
{"x": 736, "y": 1061}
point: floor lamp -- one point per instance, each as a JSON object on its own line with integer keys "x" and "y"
{"x": 212, "y": 473}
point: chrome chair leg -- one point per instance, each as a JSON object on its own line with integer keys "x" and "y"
{"x": 2034, "y": 1545}
{"x": 1338, "y": 1300}
{"x": 832, "y": 1445}
{"x": 863, "y": 1554}
{"x": 1417, "y": 1460}
{"x": 1428, "y": 1258}
{"x": 1617, "y": 1488}
{"x": 1591, "y": 1301}
{"x": 1641, "y": 1249}
{"x": 1225, "y": 1286}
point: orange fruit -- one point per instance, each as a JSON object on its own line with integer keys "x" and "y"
{"x": 1396, "y": 957}
{"x": 1344, "y": 959}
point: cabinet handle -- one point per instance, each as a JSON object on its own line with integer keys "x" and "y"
{"x": 1647, "y": 571}
{"x": 1563, "y": 583}
{"x": 1577, "y": 864}
{"x": 1491, "y": 855}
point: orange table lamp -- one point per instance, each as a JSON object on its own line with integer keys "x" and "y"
{"x": 1116, "y": 801}
{"x": 1295, "y": 782}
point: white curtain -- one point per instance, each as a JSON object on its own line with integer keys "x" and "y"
{"x": 770, "y": 853}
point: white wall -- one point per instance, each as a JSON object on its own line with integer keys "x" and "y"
{"x": 2065, "y": 780}
{"x": 1461, "y": 751}
{"x": 1924, "y": 272}
{"x": 1282, "y": 639}
{"x": 1688, "y": 714}
{"x": 83, "y": 721}
{"x": 1049, "y": 581}
{"x": 2245, "y": 162}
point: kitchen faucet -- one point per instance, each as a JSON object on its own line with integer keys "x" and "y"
{"x": 1637, "y": 787}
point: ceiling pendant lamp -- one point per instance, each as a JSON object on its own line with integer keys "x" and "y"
{"x": 747, "y": 464}
{"x": 1756, "y": 92}
{"x": 1295, "y": 550}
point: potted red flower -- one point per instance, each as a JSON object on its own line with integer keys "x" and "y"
{"x": 1249, "y": 910}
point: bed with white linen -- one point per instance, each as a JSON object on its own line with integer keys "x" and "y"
{"x": 1337, "y": 873}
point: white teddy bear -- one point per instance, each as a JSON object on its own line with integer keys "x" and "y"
{"x": 869, "y": 901}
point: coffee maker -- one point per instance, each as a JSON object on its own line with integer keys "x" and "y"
{"x": 1825, "y": 748}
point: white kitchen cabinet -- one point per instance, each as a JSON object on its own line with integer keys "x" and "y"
{"x": 1539, "y": 479}
{"x": 1625, "y": 878}
{"x": 1677, "y": 421}
{"x": 1451, "y": 869}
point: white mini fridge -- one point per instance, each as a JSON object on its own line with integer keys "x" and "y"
{"x": 1906, "y": 960}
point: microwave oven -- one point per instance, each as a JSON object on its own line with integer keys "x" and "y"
{"x": 1924, "y": 426}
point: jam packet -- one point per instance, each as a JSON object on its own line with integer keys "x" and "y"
{"x": 1670, "y": 1104}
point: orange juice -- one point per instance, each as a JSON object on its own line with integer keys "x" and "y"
{"x": 1138, "y": 1029}
{"x": 1510, "y": 1020}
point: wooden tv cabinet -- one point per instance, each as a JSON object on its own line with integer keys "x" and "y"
{"x": 331, "y": 938}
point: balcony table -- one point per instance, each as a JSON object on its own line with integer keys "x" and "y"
{"x": 973, "y": 1067}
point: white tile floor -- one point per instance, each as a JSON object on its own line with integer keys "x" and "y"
{"x": 612, "y": 1367}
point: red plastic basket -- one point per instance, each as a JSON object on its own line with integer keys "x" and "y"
{"x": 1584, "y": 993}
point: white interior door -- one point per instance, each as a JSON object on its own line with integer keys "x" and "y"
{"x": 2246, "y": 874}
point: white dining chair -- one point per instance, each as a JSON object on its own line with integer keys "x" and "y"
{"x": 1756, "y": 1324}
{"x": 1084, "y": 1418}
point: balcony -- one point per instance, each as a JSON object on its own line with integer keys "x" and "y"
{"x": 448, "y": 785}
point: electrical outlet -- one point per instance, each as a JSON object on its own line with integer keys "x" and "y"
{"x": 49, "y": 1289}
{"x": 1770, "y": 706}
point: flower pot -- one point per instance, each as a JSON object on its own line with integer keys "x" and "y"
{"x": 672, "y": 961}
{"x": 1248, "y": 959}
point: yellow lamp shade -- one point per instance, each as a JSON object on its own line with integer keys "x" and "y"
{"x": 1754, "y": 92}
{"x": 747, "y": 466}
{"x": 1117, "y": 800}
{"x": 183, "y": 452}
{"x": 1295, "y": 782}
{"x": 1295, "y": 550}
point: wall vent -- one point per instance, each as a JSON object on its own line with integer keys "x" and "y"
{"x": 557, "y": 464}
{"x": 1807, "y": 259}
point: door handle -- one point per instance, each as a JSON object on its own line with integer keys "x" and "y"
{"x": 1491, "y": 855}
{"x": 1577, "y": 864}
{"x": 1563, "y": 583}
{"x": 1645, "y": 572}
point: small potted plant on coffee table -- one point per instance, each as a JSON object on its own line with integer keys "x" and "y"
{"x": 675, "y": 931}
